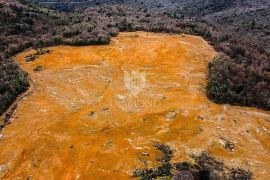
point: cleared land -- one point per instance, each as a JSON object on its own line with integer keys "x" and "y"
{"x": 81, "y": 119}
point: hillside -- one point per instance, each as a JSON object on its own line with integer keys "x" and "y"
{"x": 69, "y": 5}
{"x": 243, "y": 38}
{"x": 81, "y": 112}
{"x": 248, "y": 19}
{"x": 23, "y": 26}
{"x": 239, "y": 29}
{"x": 245, "y": 17}
{"x": 189, "y": 61}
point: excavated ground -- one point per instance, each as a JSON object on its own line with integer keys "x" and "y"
{"x": 91, "y": 117}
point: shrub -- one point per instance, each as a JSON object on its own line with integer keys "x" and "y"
{"x": 13, "y": 82}
{"x": 229, "y": 82}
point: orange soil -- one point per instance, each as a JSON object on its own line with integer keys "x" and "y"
{"x": 76, "y": 126}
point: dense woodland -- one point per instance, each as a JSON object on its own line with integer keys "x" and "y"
{"x": 239, "y": 75}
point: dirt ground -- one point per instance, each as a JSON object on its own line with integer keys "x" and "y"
{"x": 97, "y": 111}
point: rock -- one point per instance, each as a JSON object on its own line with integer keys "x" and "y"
{"x": 103, "y": 63}
{"x": 229, "y": 145}
{"x": 144, "y": 119}
{"x": 120, "y": 97}
{"x": 145, "y": 154}
{"x": 177, "y": 85}
{"x": 185, "y": 113}
{"x": 3, "y": 168}
{"x": 220, "y": 117}
{"x": 200, "y": 117}
{"x": 160, "y": 97}
{"x": 92, "y": 114}
{"x": 30, "y": 57}
{"x": 106, "y": 130}
{"x": 38, "y": 68}
{"x": 171, "y": 115}
{"x": 108, "y": 144}
{"x": 148, "y": 67}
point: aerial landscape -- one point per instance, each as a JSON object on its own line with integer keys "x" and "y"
{"x": 135, "y": 89}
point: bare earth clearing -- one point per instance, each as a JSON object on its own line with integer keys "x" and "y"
{"x": 81, "y": 121}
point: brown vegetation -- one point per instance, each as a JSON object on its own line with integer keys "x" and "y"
{"x": 205, "y": 167}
